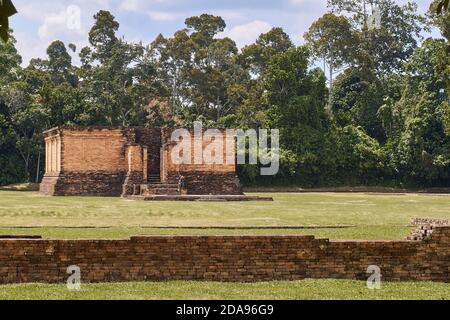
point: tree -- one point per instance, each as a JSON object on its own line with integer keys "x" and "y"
{"x": 173, "y": 60}
{"x": 28, "y": 117}
{"x": 7, "y": 10}
{"x": 204, "y": 28}
{"x": 296, "y": 95}
{"x": 418, "y": 144}
{"x": 441, "y": 19}
{"x": 11, "y": 165}
{"x": 10, "y": 61}
{"x": 441, "y": 6}
{"x": 199, "y": 71}
{"x": 118, "y": 79}
{"x": 60, "y": 64}
{"x": 352, "y": 157}
{"x": 386, "y": 35}
{"x": 357, "y": 99}
{"x": 254, "y": 58}
{"x": 384, "y": 46}
{"x": 102, "y": 36}
{"x": 331, "y": 40}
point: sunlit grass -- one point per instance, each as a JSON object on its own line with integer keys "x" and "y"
{"x": 370, "y": 217}
{"x": 358, "y": 233}
{"x": 381, "y": 217}
{"x": 31, "y": 209}
{"x": 297, "y": 290}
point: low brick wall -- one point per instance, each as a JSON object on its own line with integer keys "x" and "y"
{"x": 209, "y": 183}
{"x": 95, "y": 183}
{"x": 425, "y": 228}
{"x": 224, "y": 258}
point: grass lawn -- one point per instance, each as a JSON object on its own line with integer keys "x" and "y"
{"x": 297, "y": 290}
{"x": 371, "y": 217}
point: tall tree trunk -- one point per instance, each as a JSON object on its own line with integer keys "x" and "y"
{"x": 330, "y": 96}
{"x": 38, "y": 167}
{"x": 27, "y": 166}
{"x": 26, "y": 160}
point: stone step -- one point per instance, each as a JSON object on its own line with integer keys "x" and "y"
{"x": 159, "y": 189}
{"x": 161, "y": 192}
{"x": 162, "y": 185}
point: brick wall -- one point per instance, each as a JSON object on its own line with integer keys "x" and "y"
{"x": 92, "y": 149}
{"x": 425, "y": 228}
{"x": 224, "y": 258}
{"x": 101, "y": 161}
{"x": 98, "y": 183}
{"x": 92, "y": 162}
{"x": 217, "y": 176}
{"x": 205, "y": 183}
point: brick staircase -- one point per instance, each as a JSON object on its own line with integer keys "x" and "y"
{"x": 156, "y": 188}
{"x": 154, "y": 179}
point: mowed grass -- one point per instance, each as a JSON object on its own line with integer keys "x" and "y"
{"x": 357, "y": 233}
{"x": 371, "y": 217}
{"x": 296, "y": 290}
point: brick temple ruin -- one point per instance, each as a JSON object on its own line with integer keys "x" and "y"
{"x": 99, "y": 161}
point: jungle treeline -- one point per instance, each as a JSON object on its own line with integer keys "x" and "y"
{"x": 365, "y": 100}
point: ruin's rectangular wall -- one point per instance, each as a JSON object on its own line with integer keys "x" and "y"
{"x": 90, "y": 161}
{"x": 114, "y": 161}
{"x": 224, "y": 258}
{"x": 210, "y": 166}
{"x": 95, "y": 150}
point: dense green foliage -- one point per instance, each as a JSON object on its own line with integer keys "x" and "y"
{"x": 7, "y": 10}
{"x": 379, "y": 116}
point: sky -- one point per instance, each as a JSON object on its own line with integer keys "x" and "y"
{"x": 40, "y": 22}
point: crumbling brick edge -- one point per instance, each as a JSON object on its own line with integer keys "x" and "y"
{"x": 425, "y": 228}
{"x": 224, "y": 259}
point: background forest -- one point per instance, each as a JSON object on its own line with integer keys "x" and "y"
{"x": 364, "y": 102}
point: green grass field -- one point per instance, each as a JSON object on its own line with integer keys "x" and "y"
{"x": 296, "y": 290}
{"x": 371, "y": 217}
{"x": 377, "y": 217}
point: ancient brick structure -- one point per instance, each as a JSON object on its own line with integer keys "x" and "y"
{"x": 135, "y": 161}
{"x": 425, "y": 228}
{"x": 224, "y": 258}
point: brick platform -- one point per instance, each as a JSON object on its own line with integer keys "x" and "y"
{"x": 224, "y": 258}
{"x": 200, "y": 198}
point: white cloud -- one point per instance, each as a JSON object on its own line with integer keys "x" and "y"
{"x": 297, "y": 2}
{"x": 246, "y": 33}
{"x": 132, "y": 5}
{"x": 140, "y": 5}
{"x": 51, "y": 20}
{"x": 162, "y": 15}
{"x": 228, "y": 15}
{"x": 63, "y": 22}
